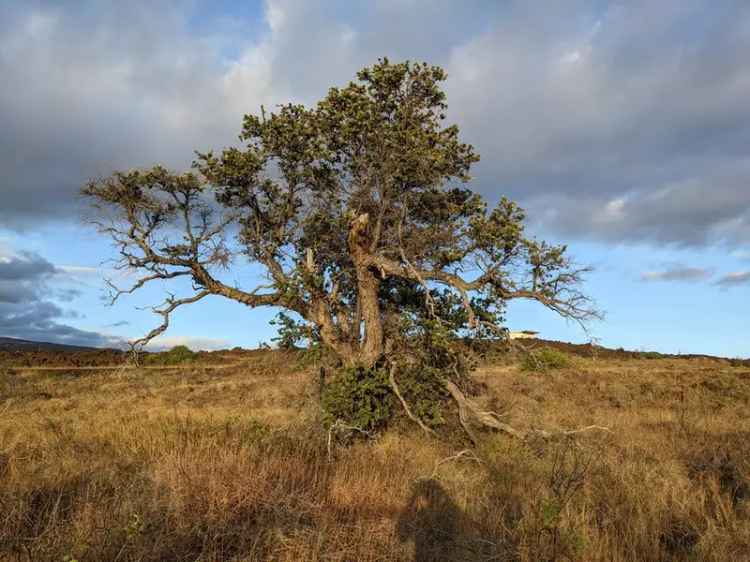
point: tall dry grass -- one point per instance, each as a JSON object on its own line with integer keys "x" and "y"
{"x": 230, "y": 464}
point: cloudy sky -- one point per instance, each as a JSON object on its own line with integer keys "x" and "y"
{"x": 622, "y": 127}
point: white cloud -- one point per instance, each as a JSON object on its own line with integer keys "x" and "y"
{"x": 275, "y": 15}
{"x": 734, "y": 279}
{"x": 571, "y": 57}
{"x": 79, "y": 270}
{"x": 39, "y": 25}
{"x": 195, "y": 343}
{"x": 614, "y": 209}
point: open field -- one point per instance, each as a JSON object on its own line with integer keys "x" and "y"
{"x": 194, "y": 462}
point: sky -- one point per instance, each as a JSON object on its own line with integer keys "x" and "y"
{"x": 623, "y": 128}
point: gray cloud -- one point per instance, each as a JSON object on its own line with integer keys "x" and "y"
{"x": 26, "y": 311}
{"x": 690, "y": 213}
{"x": 26, "y": 266}
{"x": 611, "y": 122}
{"x": 734, "y": 279}
{"x": 98, "y": 87}
{"x": 622, "y": 130}
{"x": 678, "y": 272}
{"x": 22, "y": 276}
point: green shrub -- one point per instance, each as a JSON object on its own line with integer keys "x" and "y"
{"x": 359, "y": 397}
{"x": 363, "y": 398}
{"x": 425, "y": 394}
{"x": 176, "y": 355}
{"x": 545, "y": 359}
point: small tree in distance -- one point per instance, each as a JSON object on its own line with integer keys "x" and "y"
{"x": 359, "y": 213}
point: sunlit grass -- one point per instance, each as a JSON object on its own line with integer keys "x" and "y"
{"x": 231, "y": 464}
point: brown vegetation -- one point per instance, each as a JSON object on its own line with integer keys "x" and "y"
{"x": 200, "y": 463}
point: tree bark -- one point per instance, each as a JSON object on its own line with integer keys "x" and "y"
{"x": 368, "y": 285}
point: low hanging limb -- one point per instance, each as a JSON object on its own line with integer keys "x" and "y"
{"x": 167, "y": 307}
{"x": 469, "y": 410}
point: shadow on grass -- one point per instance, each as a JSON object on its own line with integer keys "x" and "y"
{"x": 439, "y": 529}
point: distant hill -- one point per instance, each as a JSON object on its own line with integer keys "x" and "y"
{"x": 14, "y": 344}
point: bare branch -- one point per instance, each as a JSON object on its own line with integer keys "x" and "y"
{"x": 429, "y": 301}
{"x": 116, "y": 292}
{"x": 567, "y": 302}
{"x": 169, "y": 306}
{"x": 469, "y": 411}
{"x": 412, "y": 417}
{"x": 463, "y": 454}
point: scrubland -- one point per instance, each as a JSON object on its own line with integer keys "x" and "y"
{"x": 225, "y": 459}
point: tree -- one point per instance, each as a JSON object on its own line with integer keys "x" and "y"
{"x": 359, "y": 213}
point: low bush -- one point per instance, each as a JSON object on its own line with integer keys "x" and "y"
{"x": 545, "y": 359}
{"x": 175, "y": 356}
{"x": 363, "y": 398}
{"x": 359, "y": 397}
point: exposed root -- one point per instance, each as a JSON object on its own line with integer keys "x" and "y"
{"x": 468, "y": 411}
{"x": 394, "y": 386}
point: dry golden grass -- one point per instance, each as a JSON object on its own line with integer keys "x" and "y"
{"x": 229, "y": 464}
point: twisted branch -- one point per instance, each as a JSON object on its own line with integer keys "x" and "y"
{"x": 468, "y": 410}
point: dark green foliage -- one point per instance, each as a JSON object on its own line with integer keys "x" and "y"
{"x": 359, "y": 397}
{"x": 363, "y": 398}
{"x": 431, "y": 352}
{"x": 175, "y": 356}
{"x": 291, "y": 334}
{"x": 424, "y": 392}
{"x": 545, "y": 359}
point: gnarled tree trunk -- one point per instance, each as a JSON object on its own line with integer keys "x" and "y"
{"x": 368, "y": 284}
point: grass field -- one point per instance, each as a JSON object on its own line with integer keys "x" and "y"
{"x": 230, "y": 463}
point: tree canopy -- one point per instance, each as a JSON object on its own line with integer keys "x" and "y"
{"x": 359, "y": 211}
